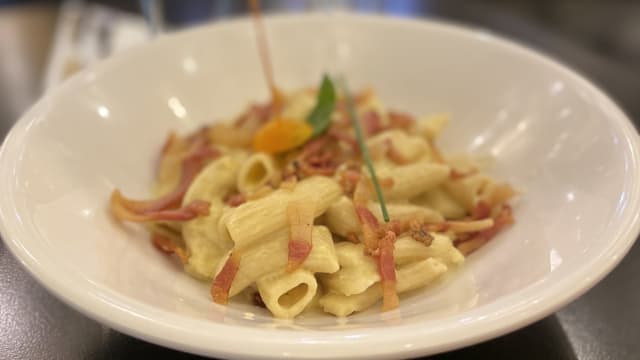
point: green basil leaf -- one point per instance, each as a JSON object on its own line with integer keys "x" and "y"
{"x": 320, "y": 116}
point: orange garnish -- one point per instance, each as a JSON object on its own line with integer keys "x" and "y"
{"x": 279, "y": 135}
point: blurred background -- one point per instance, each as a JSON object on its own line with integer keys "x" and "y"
{"x": 44, "y": 42}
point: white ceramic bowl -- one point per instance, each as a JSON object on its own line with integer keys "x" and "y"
{"x": 555, "y": 135}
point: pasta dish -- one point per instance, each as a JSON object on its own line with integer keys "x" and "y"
{"x": 281, "y": 209}
{"x": 317, "y": 199}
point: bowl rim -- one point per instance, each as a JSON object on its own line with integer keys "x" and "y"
{"x": 159, "y": 326}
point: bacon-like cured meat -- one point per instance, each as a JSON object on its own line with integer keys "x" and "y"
{"x": 371, "y": 123}
{"x": 222, "y": 283}
{"x": 343, "y": 135}
{"x": 147, "y": 210}
{"x": 169, "y": 247}
{"x": 236, "y": 199}
{"x": 311, "y": 169}
{"x": 420, "y": 232}
{"x": 400, "y": 120}
{"x": 369, "y": 225}
{"x": 257, "y": 300}
{"x": 314, "y": 146}
{"x": 200, "y": 136}
{"x": 277, "y": 98}
{"x": 482, "y": 210}
{"x": 438, "y": 227}
{"x": 298, "y": 252}
{"x": 386, "y": 268}
{"x": 362, "y": 192}
{"x": 393, "y": 154}
{"x": 349, "y": 180}
{"x": 300, "y": 217}
{"x": 395, "y": 225}
{"x": 379, "y": 242}
{"x": 317, "y": 158}
{"x": 190, "y": 211}
{"x": 170, "y": 142}
{"x": 352, "y": 237}
{"x": 457, "y": 175}
{"x": 257, "y": 112}
{"x": 473, "y": 243}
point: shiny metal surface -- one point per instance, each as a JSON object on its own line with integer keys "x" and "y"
{"x": 603, "y": 324}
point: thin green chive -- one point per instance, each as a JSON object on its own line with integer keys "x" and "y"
{"x": 363, "y": 149}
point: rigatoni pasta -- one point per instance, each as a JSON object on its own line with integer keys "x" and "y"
{"x": 441, "y": 201}
{"x": 257, "y": 171}
{"x": 406, "y": 148}
{"x": 287, "y": 294}
{"x": 410, "y": 277}
{"x": 280, "y": 204}
{"x": 342, "y": 219}
{"x": 271, "y": 256}
{"x": 357, "y": 271}
{"x": 254, "y": 220}
{"x": 413, "y": 179}
{"x": 203, "y": 242}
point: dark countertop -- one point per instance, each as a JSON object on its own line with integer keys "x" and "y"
{"x": 600, "y": 39}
